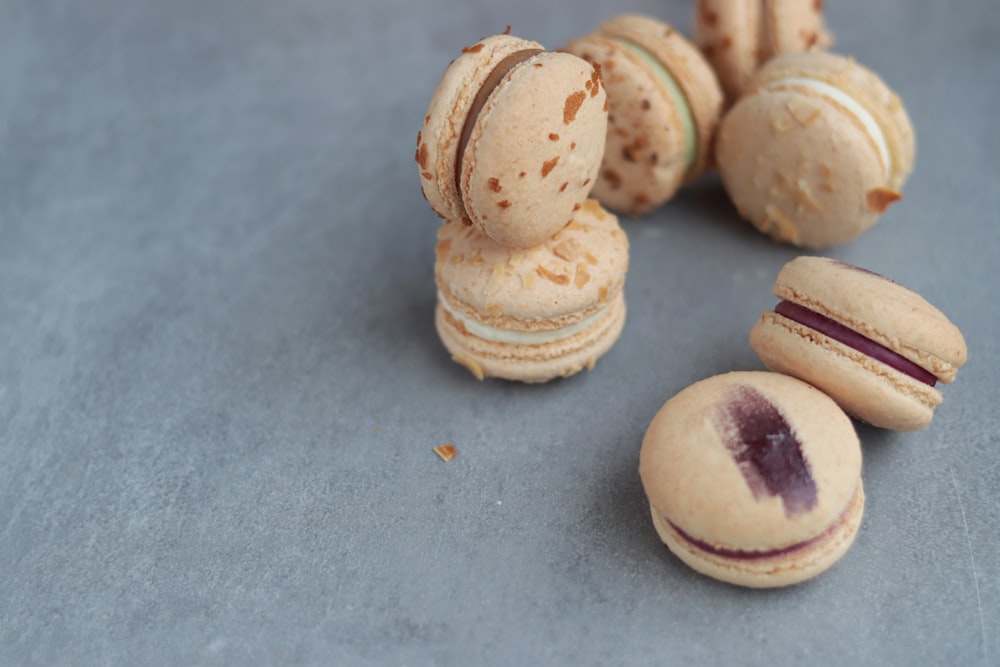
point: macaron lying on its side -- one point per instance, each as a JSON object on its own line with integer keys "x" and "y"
{"x": 738, "y": 36}
{"x": 513, "y": 139}
{"x": 664, "y": 104}
{"x": 753, "y": 478}
{"x": 532, "y": 314}
{"x": 816, "y": 150}
{"x": 874, "y": 346}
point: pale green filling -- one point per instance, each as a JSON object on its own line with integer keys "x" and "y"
{"x": 676, "y": 96}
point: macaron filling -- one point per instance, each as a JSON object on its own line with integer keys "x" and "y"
{"x": 479, "y": 101}
{"x": 848, "y": 103}
{"x": 512, "y": 337}
{"x": 854, "y": 340}
{"x": 739, "y": 554}
{"x": 677, "y": 97}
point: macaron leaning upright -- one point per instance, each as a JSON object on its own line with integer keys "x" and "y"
{"x": 753, "y": 478}
{"x": 815, "y": 150}
{"x": 738, "y": 36}
{"x": 513, "y": 139}
{"x": 664, "y": 105}
{"x": 536, "y": 314}
{"x": 874, "y": 346}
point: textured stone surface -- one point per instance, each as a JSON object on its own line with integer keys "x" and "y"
{"x": 220, "y": 384}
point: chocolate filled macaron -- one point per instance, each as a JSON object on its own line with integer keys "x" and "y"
{"x": 513, "y": 139}
{"x": 816, "y": 149}
{"x": 874, "y": 346}
{"x": 738, "y": 36}
{"x": 753, "y": 478}
{"x": 664, "y": 105}
{"x": 532, "y": 314}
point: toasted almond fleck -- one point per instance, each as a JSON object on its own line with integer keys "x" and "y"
{"x": 572, "y": 146}
{"x": 613, "y": 178}
{"x": 495, "y": 281}
{"x": 475, "y": 48}
{"x": 549, "y": 165}
{"x": 880, "y": 198}
{"x": 477, "y": 258}
{"x": 590, "y": 259}
{"x": 528, "y": 279}
{"x": 576, "y": 207}
{"x": 471, "y": 364}
{"x": 446, "y": 452}
{"x": 557, "y": 278}
{"x": 422, "y": 156}
{"x": 562, "y": 188}
{"x": 582, "y": 276}
{"x": 602, "y": 293}
{"x": 780, "y": 124}
{"x": 591, "y": 363}
{"x": 709, "y": 17}
{"x": 818, "y": 6}
{"x": 574, "y": 224}
{"x": 645, "y": 105}
{"x": 585, "y": 183}
{"x": 827, "y": 186}
{"x": 553, "y": 136}
{"x": 507, "y": 30}
{"x": 804, "y": 197}
{"x": 781, "y": 226}
{"x": 493, "y": 309}
{"x": 593, "y": 207}
{"x": 457, "y": 258}
{"x": 495, "y": 184}
{"x": 504, "y": 204}
{"x": 522, "y": 174}
{"x": 442, "y": 249}
{"x": 573, "y": 103}
{"x": 427, "y": 175}
{"x": 568, "y": 250}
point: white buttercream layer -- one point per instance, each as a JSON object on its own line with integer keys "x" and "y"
{"x": 852, "y": 105}
{"x": 508, "y": 336}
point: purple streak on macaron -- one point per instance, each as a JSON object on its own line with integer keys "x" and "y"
{"x": 853, "y": 339}
{"x": 852, "y": 267}
{"x": 766, "y": 449}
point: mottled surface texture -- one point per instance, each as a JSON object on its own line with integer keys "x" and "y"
{"x": 220, "y": 384}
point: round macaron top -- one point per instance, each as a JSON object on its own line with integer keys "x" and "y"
{"x": 738, "y": 36}
{"x": 870, "y": 105}
{"x": 513, "y": 139}
{"x": 568, "y": 277}
{"x": 750, "y": 462}
{"x": 878, "y": 308}
{"x": 695, "y": 89}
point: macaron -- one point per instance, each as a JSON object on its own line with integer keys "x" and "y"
{"x": 664, "y": 105}
{"x": 816, "y": 149}
{"x": 513, "y": 139}
{"x": 738, "y": 36}
{"x": 532, "y": 314}
{"x": 753, "y": 478}
{"x": 874, "y": 346}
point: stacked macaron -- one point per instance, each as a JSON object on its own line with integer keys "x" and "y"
{"x": 530, "y": 273}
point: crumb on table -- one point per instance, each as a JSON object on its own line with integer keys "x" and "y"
{"x": 446, "y": 452}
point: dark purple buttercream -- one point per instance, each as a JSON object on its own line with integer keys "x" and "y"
{"x": 766, "y": 449}
{"x": 853, "y": 339}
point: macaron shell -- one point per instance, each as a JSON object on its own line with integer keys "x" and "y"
{"x": 799, "y": 168}
{"x": 438, "y": 139}
{"x": 796, "y": 26}
{"x": 566, "y": 278}
{"x": 863, "y": 85}
{"x": 728, "y": 33}
{"x": 862, "y": 386}
{"x": 691, "y": 476}
{"x": 687, "y": 65}
{"x": 644, "y": 151}
{"x": 877, "y": 307}
{"x": 780, "y": 570}
{"x": 535, "y": 149}
{"x": 532, "y": 363}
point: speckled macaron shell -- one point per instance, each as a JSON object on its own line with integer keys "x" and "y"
{"x": 802, "y": 166}
{"x": 571, "y": 285}
{"x": 738, "y": 36}
{"x": 877, "y": 308}
{"x": 753, "y": 478}
{"x": 533, "y": 150}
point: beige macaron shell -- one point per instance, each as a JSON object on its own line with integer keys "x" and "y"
{"x": 738, "y": 36}
{"x": 689, "y": 68}
{"x": 577, "y": 271}
{"x": 860, "y": 83}
{"x": 864, "y": 387}
{"x": 644, "y": 151}
{"x": 693, "y": 480}
{"x": 769, "y": 572}
{"x": 438, "y": 139}
{"x": 876, "y": 307}
{"x": 535, "y": 149}
{"x": 799, "y": 168}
